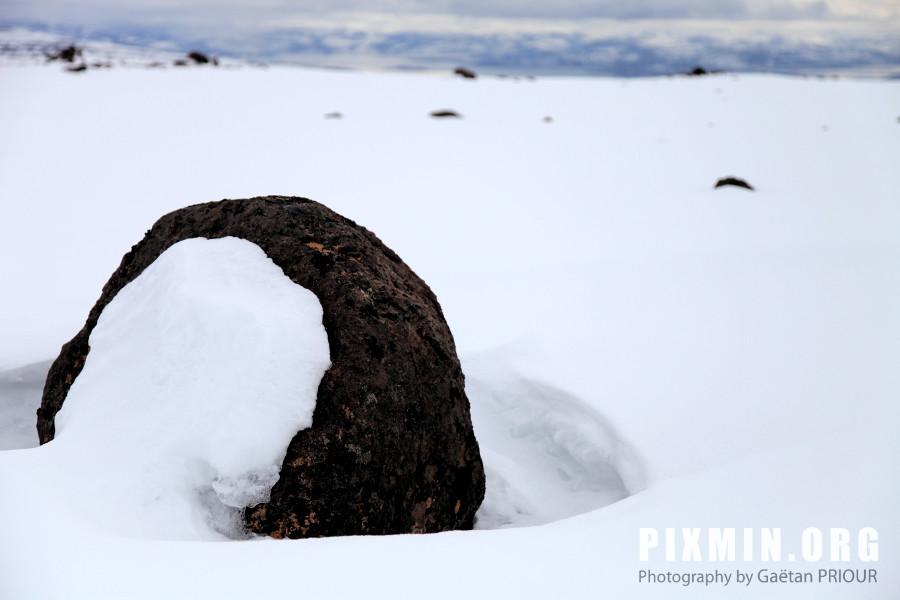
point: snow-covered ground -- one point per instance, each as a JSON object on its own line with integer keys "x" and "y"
{"x": 641, "y": 350}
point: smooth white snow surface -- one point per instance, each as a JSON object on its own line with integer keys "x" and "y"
{"x": 708, "y": 358}
{"x": 201, "y": 371}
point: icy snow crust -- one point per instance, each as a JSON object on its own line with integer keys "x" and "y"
{"x": 715, "y": 358}
{"x": 201, "y": 371}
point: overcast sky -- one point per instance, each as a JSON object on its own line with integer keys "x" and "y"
{"x": 96, "y": 12}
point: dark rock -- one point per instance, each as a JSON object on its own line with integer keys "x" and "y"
{"x": 67, "y": 54}
{"x": 391, "y": 448}
{"x": 465, "y": 73}
{"x": 198, "y": 57}
{"x": 733, "y": 181}
{"x": 443, "y": 114}
{"x": 698, "y": 70}
{"x": 79, "y": 68}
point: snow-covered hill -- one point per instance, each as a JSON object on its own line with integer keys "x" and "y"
{"x": 641, "y": 350}
{"x": 22, "y": 46}
{"x": 628, "y": 48}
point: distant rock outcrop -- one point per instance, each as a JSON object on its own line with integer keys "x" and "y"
{"x": 200, "y": 58}
{"x": 67, "y": 54}
{"x": 391, "y": 448}
{"x": 465, "y": 73}
{"x": 733, "y": 181}
{"x": 444, "y": 114}
{"x": 698, "y": 70}
{"x": 195, "y": 57}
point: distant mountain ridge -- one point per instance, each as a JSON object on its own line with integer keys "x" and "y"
{"x": 516, "y": 53}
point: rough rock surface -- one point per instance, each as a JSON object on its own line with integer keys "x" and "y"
{"x": 391, "y": 448}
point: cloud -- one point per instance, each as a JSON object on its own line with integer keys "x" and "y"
{"x": 610, "y": 9}
{"x": 875, "y": 10}
{"x": 259, "y": 14}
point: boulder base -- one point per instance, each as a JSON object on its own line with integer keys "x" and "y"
{"x": 391, "y": 448}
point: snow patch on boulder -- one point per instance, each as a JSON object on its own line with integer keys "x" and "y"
{"x": 200, "y": 373}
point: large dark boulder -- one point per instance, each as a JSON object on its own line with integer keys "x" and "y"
{"x": 391, "y": 448}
